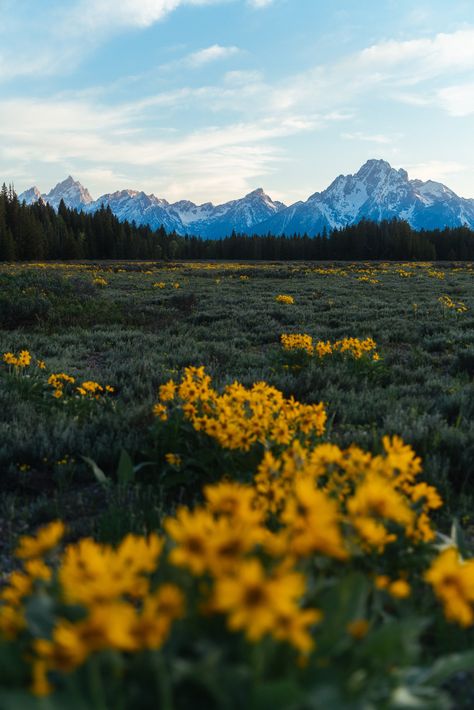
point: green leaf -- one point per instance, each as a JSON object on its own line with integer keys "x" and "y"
{"x": 330, "y": 697}
{"x": 457, "y": 536}
{"x": 98, "y": 473}
{"x": 279, "y": 695}
{"x": 406, "y": 698}
{"x": 39, "y": 614}
{"x": 14, "y": 670}
{"x": 446, "y": 666}
{"x": 24, "y": 700}
{"x": 19, "y": 700}
{"x": 397, "y": 643}
{"x": 341, "y": 602}
{"x": 125, "y": 470}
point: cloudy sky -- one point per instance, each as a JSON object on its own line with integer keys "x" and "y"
{"x": 209, "y": 99}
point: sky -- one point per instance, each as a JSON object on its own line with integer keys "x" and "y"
{"x": 209, "y": 99}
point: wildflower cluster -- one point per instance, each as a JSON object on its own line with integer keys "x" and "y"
{"x": 63, "y": 384}
{"x": 122, "y": 609}
{"x": 368, "y": 279}
{"x": 284, "y": 298}
{"x": 436, "y": 274}
{"x": 449, "y": 304}
{"x": 59, "y": 384}
{"x": 100, "y": 281}
{"x": 58, "y": 381}
{"x": 354, "y": 347}
{"x": 453, "y": 582}
{"x": 269, "y": 555}
{"x": 352, "y": 501}
{"x": 297, "y": 341}
{"x": 22, "y": 360}
{"x": 93, "y": 389}
{"x": 260, "y": 554}
{"x": 239, "y": 417}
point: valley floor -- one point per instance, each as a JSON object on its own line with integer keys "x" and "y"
{"x": 134, "y": 326}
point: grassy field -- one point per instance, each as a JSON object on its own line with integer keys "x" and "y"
{"x": 133, "y": 326}
{"x": 134, "y": 335}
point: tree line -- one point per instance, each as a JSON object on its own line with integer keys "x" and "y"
{"x": 38, "y": 232}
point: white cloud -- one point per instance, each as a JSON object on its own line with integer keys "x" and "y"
{"x": 140, "y": 145}
{"x": 374, "y": 138}
{"x": 260, "y": 3}
{"x": 425, "y": 58}
{"x": 220, "y": 161}
{"x": 439, "y": 170}
{"x": 457, "y": 100}
{"x": 211, "y": 54}
{"x": 56, "y": 40}
{"x": 106, "y": 15}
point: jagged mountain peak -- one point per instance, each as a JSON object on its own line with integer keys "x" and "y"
{"x": 186, "y": 204}
{"x": 375, "y": 170}
{"x": 258, "y": 192}
{"x": 67, "y": 183}
{"x": 376, "y": 191}
{"x": 31, "y": 195}
{"x": 71, "y": 192}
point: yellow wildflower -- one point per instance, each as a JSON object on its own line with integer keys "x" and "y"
{"x": 358, "y": 628}
{"x": 167, "y": 391}
{"x": 253, "y": 601}
{"x": 284, "y": 298}
{"x": 191, "y": 533}
{"x": 151, "y": 627}
{"x": 173, "y": 459}
{"x": 45, "y": 539}
{"x": 399, "y": 589}
{"x": 160, "y": 411}
{"x": 453, "y": 583}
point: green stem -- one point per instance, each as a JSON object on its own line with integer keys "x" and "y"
{"x": 258, "y": 662}
{"x": 96, "y": 686}
{"x": 162, "y": 679}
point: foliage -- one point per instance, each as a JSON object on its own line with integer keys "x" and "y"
{"x": 315, "y": 572}
{"x": 139, "y": 337}
{"x": 38, "y": 232}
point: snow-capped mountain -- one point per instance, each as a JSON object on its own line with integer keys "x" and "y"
{"x": 72, "y": 192}
{"x": 377, "y": 191}
{"x": 30, "y": 196}
{"x": 184, "y": 217}
{"x": 239, "y": 215}
{"x": 140, "y": 208}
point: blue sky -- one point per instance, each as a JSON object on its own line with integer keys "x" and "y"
{"x": 209, "y": 99}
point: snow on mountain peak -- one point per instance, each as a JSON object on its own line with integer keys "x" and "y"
{"x": 259, "y": 192}
{"x": 376, "y": 191}
{"x": 71, "y": 192}
{"x": 30, "y": 196}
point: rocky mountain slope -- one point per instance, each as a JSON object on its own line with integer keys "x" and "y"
{"x": 377, "y": 191}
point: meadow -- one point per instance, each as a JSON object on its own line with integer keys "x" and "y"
{"x": 104, "y": 428}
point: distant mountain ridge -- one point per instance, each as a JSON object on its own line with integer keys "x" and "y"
{"x": 376, "y": 192}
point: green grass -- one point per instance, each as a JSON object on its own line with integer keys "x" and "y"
{"x": 135, "y": 336}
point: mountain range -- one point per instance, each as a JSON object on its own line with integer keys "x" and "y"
{"x": 376, "y": 192}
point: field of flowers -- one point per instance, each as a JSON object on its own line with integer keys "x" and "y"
{"x": 236, "y": 484}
